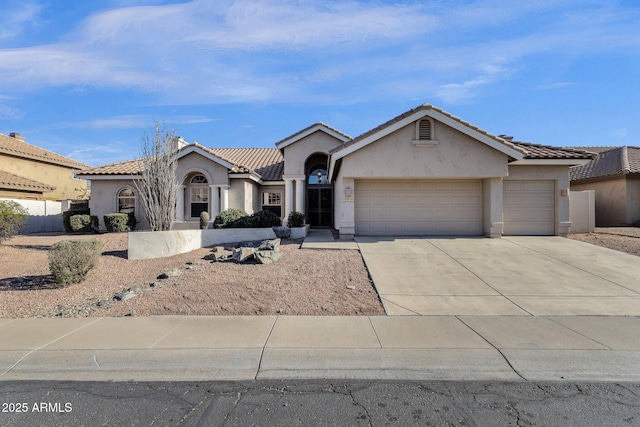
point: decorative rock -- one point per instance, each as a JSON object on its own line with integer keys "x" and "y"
{"x": 102, "y": 303}
{"x": 243, "y": 254}
{"x": 210, "y": 257}
{"x": 267, "y": 256}
{"x": 351, "y": 287}
{"x": 174, "y": 272}
{"x": 218, "y": 249}
{"x": 270, "y": 245}
{"x": 282, "y": 232}
{"x": 125, "y": 295}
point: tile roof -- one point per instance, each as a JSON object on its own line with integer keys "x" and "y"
{"x": 415, "y": 110}
{"x": 268, "y": 163}
{"x": 610, "y": 162}
{"x": 17, "y": 182}
{"x": 300, "y": 132}
{"x": 537, "y": 151}
{"x": 17, "y": 147}
{"x": 129, "y": 167}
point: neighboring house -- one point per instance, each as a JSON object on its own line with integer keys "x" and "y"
{"x": 33, "y": 173}
{"x": 424, "y": 172}
{"x": 614, "y": 175}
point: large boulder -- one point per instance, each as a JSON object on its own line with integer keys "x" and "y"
{"x": 243, "y": 254}
{"x": 270, "y": 245}
{"x": 267, "y": 256}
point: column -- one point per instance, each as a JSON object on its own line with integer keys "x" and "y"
{"x": 300, "y": 195}
{"x": 215, "y": 201}
{"x": 288, "y": 197}
{"x": 180, "y": 202}
{"x": 493, "y": 201}
{"x": 224, "y": 199}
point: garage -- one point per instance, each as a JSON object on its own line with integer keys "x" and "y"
{"x": 418, "y": 207}
{"x": 529, "y": 208}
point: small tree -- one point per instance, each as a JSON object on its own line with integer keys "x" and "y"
{"x": 13, "y": 218}
{"x": 158, "y": 185}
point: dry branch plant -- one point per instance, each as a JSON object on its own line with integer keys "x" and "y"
{"x": 157, "y": 184}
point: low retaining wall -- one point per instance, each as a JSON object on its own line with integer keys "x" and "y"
{"x": 159, "y": 244}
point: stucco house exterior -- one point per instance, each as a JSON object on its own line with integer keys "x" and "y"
{"x": 614, "y": 175}
{"x": 33, "y": 173}
{"x": 424, "y": 172}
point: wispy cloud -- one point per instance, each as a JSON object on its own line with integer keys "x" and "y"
{"x": 16, "y": 16}
{"x": 210, "y": 51}
{"x": 620, "y": 132}
{"x": 134, "y": 121}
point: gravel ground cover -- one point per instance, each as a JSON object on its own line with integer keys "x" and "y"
{"x": 303, "y": 282}
{"x": 623, "y": 239}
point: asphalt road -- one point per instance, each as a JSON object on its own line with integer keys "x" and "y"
{"x": 315, "y": 403}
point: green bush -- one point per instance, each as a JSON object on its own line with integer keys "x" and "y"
{"x": 119, "y": 222}
{"x": 80, "y": 223}
{"x": 225, "y": 219}
{"x": 66, "y": 218}
{"x": 71, "y": 260}
{"x": 265, "y": 219}
{"x": 13, "y": 218}
{"x": 204, "y": 220}
{"x": 295, "y": 219}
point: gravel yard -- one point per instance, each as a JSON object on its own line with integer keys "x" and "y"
{"x": 623, "y": 239}
{"x": 303, "y": 282}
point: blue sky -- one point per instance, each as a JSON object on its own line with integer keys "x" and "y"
{"x": 86, "y": 79}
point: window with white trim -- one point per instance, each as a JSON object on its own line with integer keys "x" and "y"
{"x": 127, "y": 201}
{"x": 272, "y": 201}
{"x": 199, "y": 195}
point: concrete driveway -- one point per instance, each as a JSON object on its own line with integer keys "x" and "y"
{"x": 542, "y": 276}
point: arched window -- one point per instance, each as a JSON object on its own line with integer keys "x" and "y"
{"x": 318, "y": 175}
{"x": 127, "y": 201}
{"x": 199, "y": 179}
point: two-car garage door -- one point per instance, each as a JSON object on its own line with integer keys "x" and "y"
{"x": 450, "y": 207}
{"x": 417, "y": 207}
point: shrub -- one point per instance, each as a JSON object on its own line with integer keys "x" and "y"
{"x": 226, "y": 218}
{"x": 265, "y": 219}
{"x": 132, "y": 222}
{"x": 95, "y": 226}
{"x": 13, "y": 218}
{"x": 119, "y": 222}
{"x": 71, "y": 260}
{"x": 295, "y": 219}
{"x": 66, "y": 218}
{"x": 80, "y": 223}
{"x": 204, "y": 220}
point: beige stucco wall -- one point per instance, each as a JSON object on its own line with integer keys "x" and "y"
{"x": 60, "y": 177}
{"x": 243, "y": 194}
{"x": 194, "y": 162}
{"x": 296, "y": 154}
{"x": 104, "y": 200}
{"x": 395, "y": 156}
{"x": 611, "y": 201}
{"x": 559, "y": 174}
{"x": 633, "y": 200}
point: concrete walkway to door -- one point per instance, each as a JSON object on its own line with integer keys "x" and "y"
{"x": 541, "y": 276}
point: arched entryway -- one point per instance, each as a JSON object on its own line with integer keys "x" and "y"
{"x": 319, "y": 192}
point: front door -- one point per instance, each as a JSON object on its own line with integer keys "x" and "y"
{"x": 320, "y": 207}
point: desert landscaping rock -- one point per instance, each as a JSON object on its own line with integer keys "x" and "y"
{"x": 243, "y": 254}
{"x": 125, "y": 296}
{"x": 174, "y": 272}
{"x": 304, "y": 282}
{"x": 267, "y": 256}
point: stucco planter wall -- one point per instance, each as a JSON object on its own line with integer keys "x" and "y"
{"x": 300, "y": 232}
{"x": 158, "y": 244}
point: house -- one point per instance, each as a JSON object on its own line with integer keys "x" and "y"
{"x": 33, "y": 173}
{"x": 614, "y": 175}
{"x": 425, "y": 172}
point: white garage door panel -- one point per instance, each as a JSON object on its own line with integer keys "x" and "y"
{"x": 529, "y": 208}
{"x": 419, "y": 207}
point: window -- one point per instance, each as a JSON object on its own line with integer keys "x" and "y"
{"x": 199, "y": 200}
{"x": 127, "y": 201}
{"x": 272, "y": 202}
{"x": 199, "y": 179}
{"x": 317, "y": 176}
{"x": 424, "y": 130}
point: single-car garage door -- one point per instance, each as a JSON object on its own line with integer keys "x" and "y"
{"x": 529, "y": 208}
{"x": 429, "y": 208}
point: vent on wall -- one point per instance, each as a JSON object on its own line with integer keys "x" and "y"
{"x": 424, "y": 130}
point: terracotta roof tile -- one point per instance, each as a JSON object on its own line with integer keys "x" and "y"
{"x": 129, "y": 167}
{"x": 415, "y": 110}
{"x": 610, "y": 162}
{"x": 19, "y": 148}
{"x": 268, "y": 163}
{"x": 537, "y": 151}
{"x": 17, "y": 182}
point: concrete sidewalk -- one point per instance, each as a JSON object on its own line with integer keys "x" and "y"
{"x": 176, "y": 348}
